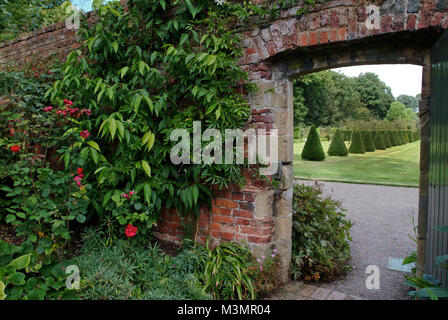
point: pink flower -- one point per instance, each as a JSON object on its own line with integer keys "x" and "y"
{"x": 273, "y": 256}
{"x": 80, "y": 171}
{"x": 48, "y": 109}
{"x": 73, "y": 111}
{"x": 86, "y": 111}
{"x": 64, "y": 112}
{"x": 85, "y": 134}
{"x": 258, "y": 260}
{"x": 131, "y": 193}
{"x": 263, "y": 257}
{"x": 275, "y": 250}
{"x": 261, "y": 268}
{"x": 125, "y": 195}
{"x": 68, "y": 102}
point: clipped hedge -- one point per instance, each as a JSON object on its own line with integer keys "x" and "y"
{"x": 379, "y": 141}
{"x": 386, "y": 138}
{"x": 410, "y": 136}
{"x": 369, "y": 145}
{"x": 337, "y": 147}
{"x": 347, "y": 135}
{"x": 313, "y": 150}
{"x": 357, "y": 145}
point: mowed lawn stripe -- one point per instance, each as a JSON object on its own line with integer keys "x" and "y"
{"x": 395, "y": 166}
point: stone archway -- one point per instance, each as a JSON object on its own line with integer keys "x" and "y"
{"x": 330, "y": 36}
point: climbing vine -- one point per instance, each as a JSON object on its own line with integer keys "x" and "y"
{"x": 146, "y": 69}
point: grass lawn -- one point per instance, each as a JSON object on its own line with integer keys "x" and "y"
{"x": 395, "y": 166}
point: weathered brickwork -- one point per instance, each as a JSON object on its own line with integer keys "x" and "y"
{"x": 332, "y": 34}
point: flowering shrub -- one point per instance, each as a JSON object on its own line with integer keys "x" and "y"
{"x": 320, "y": 235}
{"x": 41, "y": 198}
{"x": 264, "y": 273}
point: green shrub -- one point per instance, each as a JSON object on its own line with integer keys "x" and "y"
{"x": 313, "y": 149}
{"x": 415, "y": 136}
{"x": 347, "y": 135}
{"x": 393, "y": 138}
{"x": 369, "y": 145}
{"x": 320, "y": 235}
{"x": 386, "y": 138}
{"x": 379, "y": 141}
{"x": 399, "y": 138}
{"x": 357, "y": 145}
{"x": 410, "y": 136}
{"x": 337, "y": 147}
{"x": 404, "y": 137}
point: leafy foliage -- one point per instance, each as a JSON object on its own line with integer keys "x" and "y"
{"x": 313, "y": 149}
{"x": 321, "y": 236}
{"x": 26, "y": 275}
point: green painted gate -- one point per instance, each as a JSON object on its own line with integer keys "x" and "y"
{"x": 437, "y": 241}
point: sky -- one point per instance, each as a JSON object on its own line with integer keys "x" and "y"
{"x": 401, "y": 78}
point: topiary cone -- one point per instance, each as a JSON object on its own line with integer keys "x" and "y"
{"x": 357, "y": 145}
{"x": 337, "y": 147}
{"x": 313, "y": 149}
{"x": 393, "y": 138}
{"x": 379, "y": 141}
{"x": 386, "y": 137}
{"x": 369, "y": 145}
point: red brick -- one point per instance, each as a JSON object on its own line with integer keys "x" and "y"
{"x": 243, "y": 214}
{"x": 226, "y": 203}
{"x": 323, "y": 37}
{"x": 265, "y": 239}
{"x": 251, "y": 51}
{"x": 254, "y": 231}
{"x": 237, "y": 196}
{"x": 243, "y": 222}
{"x": 313, "y": 38}
{"x": 226, "y": 212}
{"x": 333, "y": 35}
{"x": 223, "y": 219}
{"x": 303, "y": 39}
{"x": 342, "y": 34}
{"x": 223, "y": 235}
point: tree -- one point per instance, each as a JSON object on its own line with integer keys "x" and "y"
{"x": 357, "y": 145}
{"x": 369, "y": 145}
{"x": 337, "y": 147}
{"x": 313, "y": 149}
{"x": 409, "y": 101}
{"x": 379, "y": 141}
{"x": 398, "y": 111}
{"x": 374, "y": 93}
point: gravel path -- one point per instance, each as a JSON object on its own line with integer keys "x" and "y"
{"x": 382, "y": 218}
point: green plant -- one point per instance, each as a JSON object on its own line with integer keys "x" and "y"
{"x": 227, "y": 272}
{"x": 347, "y": 135}
{"x": 357, "y": 145}
{"x": 337, "y": 146}
{"x": 26, "y": 275}
{"x": 320, "y": 234}
{"x": 427, "y": 287}
{"x": 313, "y": 149}
{"x": 369, "y": 145}
{"x": 379, "y": 140}
{"x": 393, "y": 138}
{"x": 129, "y": 270}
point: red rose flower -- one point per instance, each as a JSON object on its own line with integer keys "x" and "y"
{"x": 48, "y": 109}
{"x": 79, "y": 171}
{"x": 130, "y": 231}
{"x": 15, "y": 148}
{"x": 68, "y": 102}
